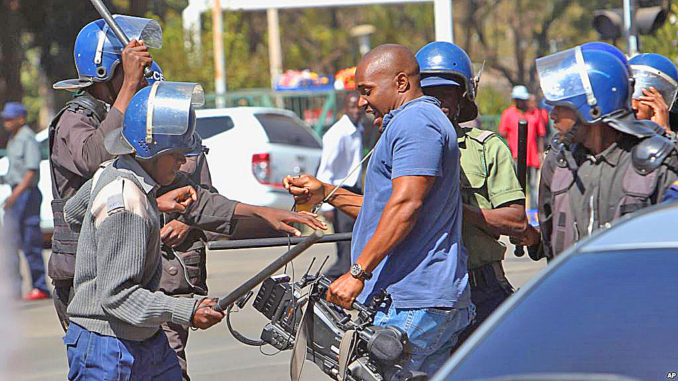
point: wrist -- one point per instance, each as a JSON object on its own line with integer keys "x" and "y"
{"x": 327, "y": 189}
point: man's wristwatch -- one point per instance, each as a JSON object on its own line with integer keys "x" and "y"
{"x": 358, "y": 272}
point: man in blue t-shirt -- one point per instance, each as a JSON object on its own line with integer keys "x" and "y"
{"x": 407, "y": 237}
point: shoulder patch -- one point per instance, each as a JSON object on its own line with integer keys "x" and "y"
{"x": 117, "y": 196}
{"x": 480, "y": 136}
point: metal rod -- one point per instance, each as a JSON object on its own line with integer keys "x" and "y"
{"x": 269, "y": 270}
{"x": 271, "y": 242}
{"x": 106, "y": 15}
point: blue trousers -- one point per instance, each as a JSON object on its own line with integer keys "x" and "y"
{"x": 433, "y": 333}
{"x": 96, "y": 357}
{"x": 22, "y": 224}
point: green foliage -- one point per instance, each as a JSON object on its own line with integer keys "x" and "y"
{"x": 491, "y": 101}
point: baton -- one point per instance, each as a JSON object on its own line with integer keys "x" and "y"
{"x": 522, "y": 168}
{"x": 106, "y": 15}
{"x": 268, "y": 271}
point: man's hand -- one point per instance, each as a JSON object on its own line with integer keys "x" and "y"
{"x": 530, "y": 237}
{"x": 204, "y": 316}
{"x": 660, "y": 110}
{"x": 174, "y": 233}
{"x": 135, "y": 58}
{"x": 177, "y": 200}
{"x": 280, "y": 220}
{"x": 344, "y": 291}
{"x": 306, "y": 189}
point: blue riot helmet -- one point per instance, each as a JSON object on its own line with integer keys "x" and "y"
{"x": 442, "y": 63}
{"x": 605, "y": 47}
{"x": 159, "y": 119}
{"x": 98, "y": 51}
{"x": 655, "y": 70}
{"x": 594, "y": 83}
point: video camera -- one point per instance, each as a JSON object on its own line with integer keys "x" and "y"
{"x": 344, "y": 346}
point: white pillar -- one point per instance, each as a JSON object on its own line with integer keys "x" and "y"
{"x": 219, "y": 59}
{"x": 444, "y": 25}
{"x": 274, "y": 48}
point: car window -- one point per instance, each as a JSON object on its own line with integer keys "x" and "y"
{"x": 612, "y": 312}
{"x": 283, "y": 129}
{"x": 213, "y": 125}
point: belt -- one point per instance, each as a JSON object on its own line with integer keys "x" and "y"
{"x": 480, "y": 276}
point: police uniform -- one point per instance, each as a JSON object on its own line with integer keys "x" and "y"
{"x": 76, "y": 143}
{"x": 581, "y": 193}
{"x": 488, "y": 181}
{"x": 184, "y": 267}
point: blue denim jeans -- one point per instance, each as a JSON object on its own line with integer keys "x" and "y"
{"x": 22, "y": 229}
{"x": 433, "y": 332}
{"x": 96, "y": 357}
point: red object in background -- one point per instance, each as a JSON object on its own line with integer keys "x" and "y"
{"x": 347, "y": 78}
{"x": 312, "y": 116}
{"x": 36, "y": 294}
{"x": 261, "y": 168}
{"x": 535, "y": 127}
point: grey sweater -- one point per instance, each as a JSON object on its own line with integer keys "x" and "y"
{"x": 118, "y": 262}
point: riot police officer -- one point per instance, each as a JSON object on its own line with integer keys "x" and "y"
{"x": 607, "y": 163}
{"x": 656, "y": 83}
{"x": 109, "y": 75}
{"x": 493, "y": 200}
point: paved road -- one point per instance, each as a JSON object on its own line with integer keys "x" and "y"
{"x": 38, "y": 352}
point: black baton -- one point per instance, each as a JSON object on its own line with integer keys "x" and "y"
{"x": 522, "y": 168}
{"x": 106, "y": 15}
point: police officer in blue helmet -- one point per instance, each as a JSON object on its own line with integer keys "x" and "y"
{"x": 656, "y": 83}
{"x": 117, "y": 307}
{"x": 493, "y": 200}
{"x": 609, "y": 164}
{"x": 109, "y": 74}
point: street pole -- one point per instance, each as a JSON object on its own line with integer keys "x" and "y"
{"x": 219, "y": 60}
{"x": 274, "y": 48}
{"x": 629, "y": 28}
{"x": 444, "y": 24}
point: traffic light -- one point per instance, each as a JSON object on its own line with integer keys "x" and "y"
{"x": 648, "y": 17}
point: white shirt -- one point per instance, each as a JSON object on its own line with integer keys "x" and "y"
{"x": 342, "y": 150}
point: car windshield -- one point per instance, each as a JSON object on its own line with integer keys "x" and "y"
{"x": 613, "y": 312}
{"x": 283, "y": 129}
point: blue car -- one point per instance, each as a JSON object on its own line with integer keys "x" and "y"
{"x": 607, "y": 309}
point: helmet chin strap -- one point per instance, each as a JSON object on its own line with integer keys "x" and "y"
{"x": 570, "y": 135}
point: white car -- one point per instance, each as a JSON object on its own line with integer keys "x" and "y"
{"x": 44, "y": 184}
{"x": 251, "y": 149}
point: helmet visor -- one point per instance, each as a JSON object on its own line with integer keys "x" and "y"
{"x": 170, "y": 104}
{"x": 135, "y": 28}
{"x": 647, "y": 76}
{"x": 560, "y": 75}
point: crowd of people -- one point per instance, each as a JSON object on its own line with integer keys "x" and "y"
{"x": 133, "y": 201}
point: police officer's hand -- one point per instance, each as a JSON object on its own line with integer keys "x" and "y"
{"x": 530, "y": 237}
{"x": 306, "y": 189}
{"x": 344, "y": 291}
{"x": 660, "y": 110}
{"x": 135, "y": 57}
{"x": 177, "y": 200}
{"x": 280, "y": 220}
{"x": 174, "y": 233}
{"x": 204, "y": 316}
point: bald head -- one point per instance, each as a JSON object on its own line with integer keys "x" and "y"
{"x": 390, "y": 59}
{"x": 387, "y": 77}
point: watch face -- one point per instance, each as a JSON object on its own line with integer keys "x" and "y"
{"x": 355, "y": 269}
